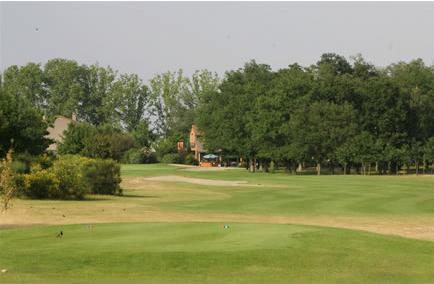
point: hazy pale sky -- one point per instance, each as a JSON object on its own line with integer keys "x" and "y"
{"x": 148, "y": 38}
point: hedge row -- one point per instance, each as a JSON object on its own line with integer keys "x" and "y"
{"x": 71, "y": 177}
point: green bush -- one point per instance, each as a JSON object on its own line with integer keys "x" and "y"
{"x": 103, "y": 176}
{"x": 151, "y": 158}
{"x": 190, "y": 160}
{"x": 71, "y": 177}
{"x": 134, "y": 156}
{"x": 26, "y": 161}
{"x": 99, "y": 146}
{"x": 72, "y": 183}
{"x": 172, "y": 159}
{"x": 41, "y": 184}
{"x": 19, "y": 167}
{"x": 20, "y": 182}
{"x": 137, "y": 156}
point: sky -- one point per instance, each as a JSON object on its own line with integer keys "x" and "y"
{"x": 149, "y": 38}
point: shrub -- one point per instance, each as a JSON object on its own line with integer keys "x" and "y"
{"x": 172, "y": 159}
{"x": 71, "y": 177}
{"x": 72, "y": 184}
{"x": 42, "y": 184}
{"x": 103, "y": 177}
{"x": 46, "y": 161}
{"x": 134, "y": 156}
{"x": 151, "y": 158}
{"x": 121, "y": 143}
{"x": 20, "y": 182}
{"x": 19, "y": 167}
{"x": 24, "y": 158}
{"x": 7, "y": 181}
{"x": 24, "y": 161}
{"x": 74, "y": 137}
{"x": 98, "y": 146}
{"x": 190, "y": 160}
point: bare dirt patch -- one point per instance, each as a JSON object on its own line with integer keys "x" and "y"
{"x": 199, "y": 181}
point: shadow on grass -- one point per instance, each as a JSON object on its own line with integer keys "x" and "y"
{"x": 139, "y": 196}
{"x": 92, "y": 198}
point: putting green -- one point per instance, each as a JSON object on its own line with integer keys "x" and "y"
{"x": 206, "y": 252}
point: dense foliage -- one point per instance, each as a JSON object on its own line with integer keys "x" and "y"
{"x": 71, "y": 177}
{"x": 334, "y": 112}
{"x": 21, "y": 126}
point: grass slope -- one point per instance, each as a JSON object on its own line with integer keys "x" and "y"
{"x": 207, "y": 253}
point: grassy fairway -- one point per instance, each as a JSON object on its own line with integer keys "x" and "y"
{"x": 205, "y": 252}
{"x": 171, "y": 232}
{"x": 307, "y": 195}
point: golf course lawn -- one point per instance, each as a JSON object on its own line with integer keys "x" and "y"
{"x": 282, "y": 229}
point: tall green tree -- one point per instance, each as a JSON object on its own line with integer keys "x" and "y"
{"x": 321, "y": 128}
{"x": 175, "y": 97}
{"x": 97, "y": 104}
{"x": 228, "y": 118}
{"x": 26, "y": 82}
{"x": 429, "y": 152}
{"x": 21, "y": 126}
{"x": 65, "y": 85}
{"x": 290, "y": 89}
{"x": 132, "y": 100}
{"x": 415, "y": 81}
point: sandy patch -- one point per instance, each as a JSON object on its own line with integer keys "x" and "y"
{"x": 199, "y": 181}
{"x": 191, "y": 168}
{"x": 209, "y": 169}
{"x": 183, "y": 166}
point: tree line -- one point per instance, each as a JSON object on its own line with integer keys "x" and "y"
{"x": 102, "y": 98}
{"x": 335, "y": 113}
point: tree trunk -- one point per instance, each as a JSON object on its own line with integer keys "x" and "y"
{"x": 376, "y": 168}
{"x": 417, "y": 167}
{"x": 266, "y": 166}
{"x": 345, "y": 168}
{"x": 300, "y": 166}
{"x": 318, "y": 168}
{"x": 332, "y": 167}
{"x": 392, "y": 168}
{"x": 364, "y": 168}
{"x": 369, "y": 169}
{"x": 252, "y": 165}
{"x": 349, "y": 166}
{"x": 432, "y": 166}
